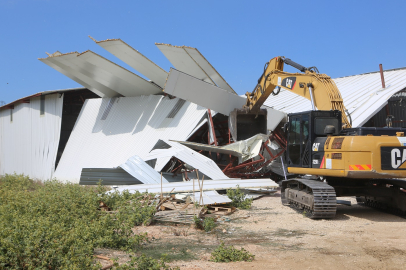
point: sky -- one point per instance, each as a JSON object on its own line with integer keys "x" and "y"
{"x": 341, "y": 38}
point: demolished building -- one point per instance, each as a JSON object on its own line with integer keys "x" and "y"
{"x": 120, "y": 122}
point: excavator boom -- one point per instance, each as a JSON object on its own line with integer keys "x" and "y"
{"x": 320, "y": 89}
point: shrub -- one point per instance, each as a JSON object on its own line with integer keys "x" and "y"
{"x": 144, "y": 262}
{"x": 206, "y": 224}
{"x": 238, "y": 198}
{"x": 54, "y": 225}
{"x": 230, "y": 254}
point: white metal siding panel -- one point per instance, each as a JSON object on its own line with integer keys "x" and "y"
{"x": 207, "y": 185}
{"x": 116, "y": 77}
{"x": 29, "y": 144}
{"x": 135, "y": 59}
{"x": 132, "y": 127}
{"x": 73, "y": 72}
{"x": 95, "y": 72}
{"x": 142, "y": 171}
{"x": 212, "y": 97}
{"x": 209, "y": 69}
{"x": 182, "y": 61}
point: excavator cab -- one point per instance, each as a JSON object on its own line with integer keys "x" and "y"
{"x": 306, "y": 135}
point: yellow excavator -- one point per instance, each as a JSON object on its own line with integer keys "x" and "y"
{"x": 328, "y": 157}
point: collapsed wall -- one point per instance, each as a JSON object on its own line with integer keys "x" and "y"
{"x": 109, "y": 131}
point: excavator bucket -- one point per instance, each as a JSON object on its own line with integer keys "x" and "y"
{"x": 244, "y": 125}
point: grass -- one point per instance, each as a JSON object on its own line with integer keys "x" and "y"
{"x": 174, "y": 250}
{"x": 57, "y": 226}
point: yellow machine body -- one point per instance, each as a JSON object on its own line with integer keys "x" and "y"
{"x": 360, "y": 157}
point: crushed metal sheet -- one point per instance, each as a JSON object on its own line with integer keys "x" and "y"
{"x": 220, "y": 184}
{"x": 187, "y": 155}
{"x": 244, "y": 150}
{"x": 141, "y": 171}
{"x": 135, "y": 59}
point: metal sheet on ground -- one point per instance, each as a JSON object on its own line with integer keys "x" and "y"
{"x": 207, "y": 185}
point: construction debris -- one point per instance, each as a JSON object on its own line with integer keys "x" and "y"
{"x": 164, "y": 150}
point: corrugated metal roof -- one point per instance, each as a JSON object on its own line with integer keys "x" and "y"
{"x": 362, "y": 94}
{"x": 132, "y": 127}
{"x": 101, "y": 75}
{"x": 187, "y": 155}
{"x": 207, "y": 185}
{"x": 135, "y": 59}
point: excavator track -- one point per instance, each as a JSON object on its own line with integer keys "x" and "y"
{"x": 315, "y": 198}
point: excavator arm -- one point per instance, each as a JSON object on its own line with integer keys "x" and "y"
{"x": 320, "y": 89}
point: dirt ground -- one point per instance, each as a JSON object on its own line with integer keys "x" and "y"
{"x": 358, "y": 238}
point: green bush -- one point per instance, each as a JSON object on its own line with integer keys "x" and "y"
{"x": 57, "y": 226}
{"x": 238, "y": 198}
{"x": 145, "y": 263}
{"x": 206, "y": 224}
{"x": 230, "y": 254}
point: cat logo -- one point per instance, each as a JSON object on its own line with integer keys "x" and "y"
{"x": 393, "y": 158}
{"x": 288, "y": 82}
{"x": 316, "y": 147}
{"x": 398, "y": 158}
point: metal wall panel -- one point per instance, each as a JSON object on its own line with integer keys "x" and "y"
{"x": 29, "y": 144}
{"x": 142, "y": 171}
{"x": 72, "y": 72}
{"x": 132, "y": 127}
{"x": 207, "y": 95}
{"x": 192, "y": 62}
{"x": 182, "y": 61}
{"x": 208, "y": 69}
{"x": 135, "y": 59}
